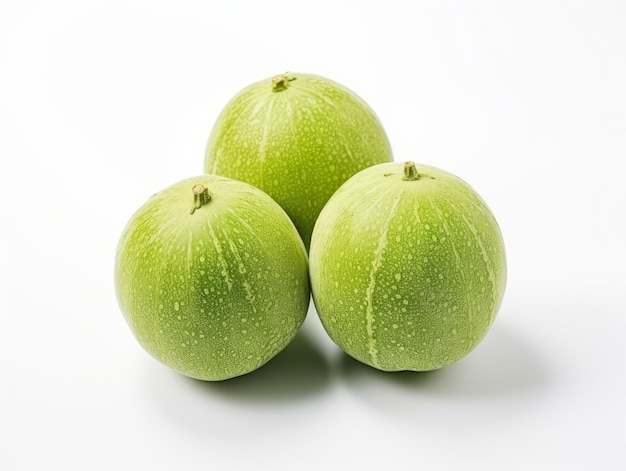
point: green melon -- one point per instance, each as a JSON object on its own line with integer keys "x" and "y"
{"x": 297, "y": 137}
{"x": 212, "y": 277}
{"x": 407, "y": 267}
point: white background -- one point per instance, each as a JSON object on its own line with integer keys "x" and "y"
{"x": 103, "y": 103}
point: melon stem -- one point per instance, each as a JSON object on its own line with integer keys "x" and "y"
{"x": 201, "y": 196}
{"x": 410, "y": 171}
{"x": 281, "y": 82}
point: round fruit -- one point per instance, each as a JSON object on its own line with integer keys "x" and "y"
{"x": 212, "y": 277}
{"x": 297, "y": 137}
{"x": 407, "y": 267}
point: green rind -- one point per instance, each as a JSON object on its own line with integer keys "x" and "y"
{"x": 298, "y": 145}
{"x": 217, "y": 293}
{"x": 407, "y": 275}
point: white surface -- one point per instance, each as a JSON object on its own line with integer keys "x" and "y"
{"x": 102, "y": 103}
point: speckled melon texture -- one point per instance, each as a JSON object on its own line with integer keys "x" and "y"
{"x": 217, "y": 293}
{"x": 407, "y": 275}
{"x": 297, "y": 137}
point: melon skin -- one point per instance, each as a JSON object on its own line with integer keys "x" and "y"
{"x": 217, "y": 293}
{"x": 407, "y": 274}
{"x": 297, "y": 137}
